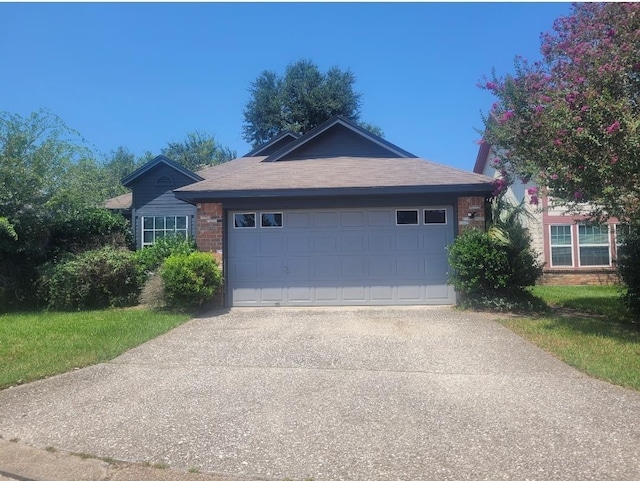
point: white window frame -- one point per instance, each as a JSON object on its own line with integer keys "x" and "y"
{"x": 608, "y": 245}
{"x": 417, "y": 211}
{"x": 271, "y": 226}
{"x": 443, "y": 209}
{"x": 165, "y": 230}
{"x": 570, "y": 245}
{"x": 255, "y": 218}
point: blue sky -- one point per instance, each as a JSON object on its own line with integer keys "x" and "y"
{"x": 141, "y": 75}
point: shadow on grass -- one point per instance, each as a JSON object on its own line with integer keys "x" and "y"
{"x": 592, "y": 325}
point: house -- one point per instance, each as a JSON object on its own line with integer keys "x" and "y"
{"x": 338, "y": 216}
{"x": 573, "y": 251}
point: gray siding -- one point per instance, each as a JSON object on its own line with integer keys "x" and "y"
{"x": 153, "y": 196}
{"x": 339, "y": 142}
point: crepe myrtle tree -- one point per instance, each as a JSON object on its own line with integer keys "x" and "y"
{"x": 570, "y": 122}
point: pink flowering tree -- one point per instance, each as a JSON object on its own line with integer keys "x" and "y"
{"x": 571, "y": 122}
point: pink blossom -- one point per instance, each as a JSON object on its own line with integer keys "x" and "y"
{"x": 481, "y": 141}
{"x": 578, "y": 195}
{"x": 539, "y": 109}
{"x": 614, "y": 160}
{"x": 508, "y": 115}
{"x": 614, "y": 127}
{"x": 584, "y": 108}
{"x": 557, "y": 142}
{"x": 534, "y": 200}
{"x": 532, "y": 191}
{"x": 554, "y": 176}
{"x": 491, "y": 86}
{"x": 579, "y": 130}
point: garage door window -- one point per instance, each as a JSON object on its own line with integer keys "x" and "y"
{"x": 435, "y": 216}
{"x": 271, "y": 219}
{"x": 244, "y": 220}
{"x": 406, "y": 217}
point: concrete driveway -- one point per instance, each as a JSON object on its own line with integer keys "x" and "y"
{"x": 412, "y": 393}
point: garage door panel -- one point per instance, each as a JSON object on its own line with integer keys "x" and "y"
{"x": 325, "y": 243}
{"x": 339, "y": 256}
{"x": 270, "y": 267}
{"x": 299, "y": 294}
{"x": 381, "y": 218}
{"x": 244, "y": 270}
{"x": 352, "y": 218}
{"x": 380, "y": 242}
{"x": 436, "y": 268}
{"x": 325, "y": 219}
{"x": 381, "y": 293}
{"x": 326, "y": 268}
{"x": 328, "y": 294}
{"x": 354, "y": 267}
{"x": 352, "y": 242}
{"x": 409, "y": 293}
{"x": 381, "y": 267}
{"x": 271, "y": 245}
{"x": 299, "y": 244}
{"x": 354, "y": 293}
{"x": 438, "y": 292}
{"x": 297, "y": 220}
{"x": 272, "y": 294}
{"x": 408, "y": 267}
{"x": 244, "y": 245}
{"x": 408, "y": 241}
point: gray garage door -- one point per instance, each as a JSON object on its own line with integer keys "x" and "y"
{"x": 375, "y": 256}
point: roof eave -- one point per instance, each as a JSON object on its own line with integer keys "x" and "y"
{"x": 212, "y": 195}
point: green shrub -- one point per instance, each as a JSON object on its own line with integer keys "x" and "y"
{"x": 492, "y": 273}
{"x": 99, "y": 278}
{"x": 151, "y": 258}
{"x": 629, "y": 269}
{"x": 88, "y": 229}
{"x": 190, "y": 279}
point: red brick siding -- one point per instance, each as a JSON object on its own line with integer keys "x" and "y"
{"x": 210, "y": 236}
{"x": 476, "y": 206}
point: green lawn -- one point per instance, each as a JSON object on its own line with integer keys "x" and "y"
{"x": 592, "y": 333}
{"x": 39, "y": 344}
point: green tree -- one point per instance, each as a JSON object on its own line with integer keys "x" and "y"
{"x": 198, "y": 150}
{"x": 299, "y": 101}
{"x": 571, "y": 122}
{"x": 47, "y": 175}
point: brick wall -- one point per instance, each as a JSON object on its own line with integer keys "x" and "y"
{"x": 475, "y": 205}
{"x": 210, "y": 235}
{"x": 579, "y": 278}
{"x": 210, "y": 228}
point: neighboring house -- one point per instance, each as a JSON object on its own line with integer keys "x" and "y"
{"x": 337, "y": 216}
{"x": 573, "y": 251}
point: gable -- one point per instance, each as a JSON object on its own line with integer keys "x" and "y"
{"x": 169, "y": 168}
{"x": 338, "y": 137}
{"x": 339, "y": 141}
{"x": 274, "y": 145}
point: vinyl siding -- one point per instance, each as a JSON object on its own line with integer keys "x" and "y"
{"x": 154, "y": 198}
{"x": 339, "y": 141}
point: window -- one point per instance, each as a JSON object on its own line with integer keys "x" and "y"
{"x": 593, "y": 242}
{"x": 244, "y": 220}
{"x": 161, "y": 226}
{"x": 561, "y": 246}
{"x": 435, "y": 216}
{"x": 621, "y": 230}
{"x": 407, "y": 217}
{"x": 271, "y": 219}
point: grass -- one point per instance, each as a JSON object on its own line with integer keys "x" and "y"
{"x": 40, "y": 344}
{"x": 591, "y": 332}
